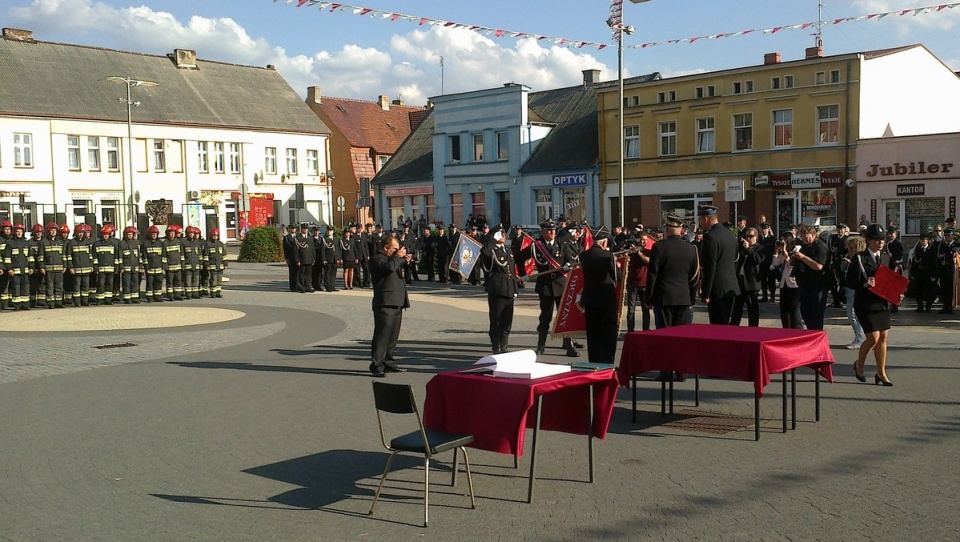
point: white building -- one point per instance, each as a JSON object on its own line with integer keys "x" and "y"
{"x": 203, "y": 134}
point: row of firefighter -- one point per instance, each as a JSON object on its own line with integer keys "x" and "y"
{"x": 53, "y": 268}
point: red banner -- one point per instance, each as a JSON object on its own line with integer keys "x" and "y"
{"x": 570, "y": 320}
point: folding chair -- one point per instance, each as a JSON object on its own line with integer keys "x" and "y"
{"x": 399, "y": 399}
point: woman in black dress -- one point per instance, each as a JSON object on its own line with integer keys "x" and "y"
{"x": 872, "y": 311}
{"x": 347, "y": 250}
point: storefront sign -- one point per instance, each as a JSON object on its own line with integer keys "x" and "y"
{"x": 408, "y": 191}
{"x": 733, "y": 190}
{"x": 911, "y": 189}
{"x": 804, "y": 181}
{"x": 574, "y": 179}
{"x": 761, "y": 180}
{"x": 901, "y": 170}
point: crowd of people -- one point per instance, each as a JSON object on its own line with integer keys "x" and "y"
{"x": 55, "y": 270}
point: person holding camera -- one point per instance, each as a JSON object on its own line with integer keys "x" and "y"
{"x": 748, "y": 276}
{"x": 782, "y": 266}
{"x": 389, "y": 299}
{"x": 810, "y": 271}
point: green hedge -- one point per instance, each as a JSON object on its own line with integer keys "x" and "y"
{"x": 261, "y": 245}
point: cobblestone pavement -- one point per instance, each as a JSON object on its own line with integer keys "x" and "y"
{"x": 260, "y": 427}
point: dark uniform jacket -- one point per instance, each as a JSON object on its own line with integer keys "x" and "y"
{"x": 328, "y": 249}
{"x": 289, "y": 246}
{"x": 749, "y": 268}
{"x": 719, "y": 256}
{"x": 106, "y": 259}
{"x": 172, "y": 254}
{"x": 216, "y": 253}
{"x": 52, "y": 255}
{"x": 347, "y": 249}
{"x": 672, "y": 273}
{"x": 305, "y": 253}
{"x": 862, "y": 267}
{"x": 80, "y": 256}
{"x": 154, "y": 261}
{"x": 389, "y": 288}
{"x": 895, "y": 251}
{"x": 502, "y": 270}
{"x": 192, "y": 253}
{"x": 16, "y": 256}
{"x": 599, "y": 279}
{"x": 363, "y": 246}
{"x": 922, "y": 262}
{"x": 130, "y": 257}
{"x": 550, "y": 285}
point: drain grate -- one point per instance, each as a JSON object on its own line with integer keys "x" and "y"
{"x": 714, "y": 423}
{"x": 114, "y": 345}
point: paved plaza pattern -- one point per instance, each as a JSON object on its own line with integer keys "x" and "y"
{"x": 250, "y": 418}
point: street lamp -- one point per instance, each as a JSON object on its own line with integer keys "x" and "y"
{"x": 615, "y": 22}
{"x": 130, "y": 82}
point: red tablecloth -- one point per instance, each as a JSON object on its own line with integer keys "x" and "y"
{"x": 744, "y": 353}
{"x": 496, "y": 410}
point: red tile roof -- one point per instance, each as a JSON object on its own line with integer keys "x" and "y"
{"x": 366, "y": 124}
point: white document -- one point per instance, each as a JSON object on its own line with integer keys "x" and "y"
{"x": 521, "y": 364}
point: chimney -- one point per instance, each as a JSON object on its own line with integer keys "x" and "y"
{"x": 590, "y": 77}
{"x": 185, "y": 59}
{"x": 314, "y": 95}
{"x": 771, "y": 58}
{"x": 814, "y": 52}
{"x": 397, "y": 102}
{"x": 17, "y": 34}
{"x": 384, "y": 102}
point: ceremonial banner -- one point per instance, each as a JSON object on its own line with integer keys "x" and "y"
{"x": 524, "y": 257}
{"x": 465, "y": 256}
{"x": 955, "y": 302}
{"x": 570, "y": 319}
{"x": 889, "y": 285}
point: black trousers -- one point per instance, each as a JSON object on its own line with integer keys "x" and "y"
{"x": 53, "y": 283}
{"x": 386, "y": 332}
{"x": 315, "y": 273}
{"x": 813, "y": 305}
{"x": 635, "y": 295}
{"x": 154, "y": 286}
{"x": 721, "y": 310}
{"x": 36, "y": 289}
{"x": 364, "y": 273}
{"x": 753, "y": 309}
{"x": 602, "y": 330}
{"x": 81, "y": 289}
{"x": 768, "y": 284}
{"x": 20, "y": 290}
{"x": 674, "y": 315}
{"x": 292, "y": 272}
{"x": 547, "y": 305}
{"x": 174, "y": 285}
{"x": 790, "y": 308}
{"x": 305, "y": 277}
{"x": 442, "y": 268}
{"x": 429, "y": 262}
{"x": 501, "y": 321}
{"x": 104, "y": 287}
{"x": 946, "y": 290}
{"x": 330, "y": 276}
{"x": 4, "y": 289}
{"x": 130, "y": 285}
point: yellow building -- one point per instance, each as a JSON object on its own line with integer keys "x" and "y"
{"x": 784, "y": 131}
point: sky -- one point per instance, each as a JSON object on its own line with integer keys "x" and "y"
{"x": 363, "y": 57}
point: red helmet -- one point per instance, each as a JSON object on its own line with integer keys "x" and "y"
{"x": 6, "y": 224}
{"x": 214, "y": 231}
{"x": 64, "y": 228}
{"x": 78, "y": 228}
{"x": 107, "y": 229}
{"x": 37, "y": 228}
{"x": 153, "y": 229}
{"x": 20, "y": 227}
{"x": 130, "y": 229}
{"x": 52, "y": 226}
{"x": 175, "y": 228}
{"x": 88, "y": 228}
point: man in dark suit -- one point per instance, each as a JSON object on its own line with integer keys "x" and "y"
{"x": 501, "y": 288}
{"x": 672, "y": 274}
{"x": 768, "y": 286}
{"x": 289, "y": 250}
{"x": 718, "y": 266}
{"x": 389, "y": 300}
{"x": 599, "y": 299}
{"x": 752, "y": 255}
{"x": 810, "y": 267}
{"x": 305, "y": 255}
{"x": 327, "y": 253}
{"x": 363, "y": 255}
{"x": 547, "y": 253}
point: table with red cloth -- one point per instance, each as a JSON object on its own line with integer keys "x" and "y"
{"x": 751, "y": 354}
{"x": 496, "y": 411}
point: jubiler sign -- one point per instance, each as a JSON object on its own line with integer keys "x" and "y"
{"x": 901, "y": 170}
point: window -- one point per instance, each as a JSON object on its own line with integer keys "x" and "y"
{"x": 544, "y": 198}
{"x": 706, "y": 135}
{"x": 73, "y": 152}
{"x": 382, "y": 160}
{"x": 626, "y": 101}
{"x": 737, "y": 87}
{"x": 113, "y": 153}
{"x": 820, "y": 78}
{"x": 270, "y": 160}
{"x": 828, "y": 123}
{"x": 743, "y": 131}
{"x": 783, "y": 128}
{"x": 748, "y": 86}
{"x": 787, "y": 81}
{"x": 631, "y": 141}
{"x": 454, "y": 149}
{"x": 834, "y": 76}
{"x": 672, "y": 96}
{"x": 661, "y": 97}
{"x": 313, "y": 162}
{"x": 218, "y": 157}
{"x": 93, "y": 153}
{"x": 22, "y": 150}
{"x": 235, "y": 158}
{"x": 203, "y": 157}
{"x": 502, "y": 146}
{"x": 775, "y": 83}
{"x": 456, "y": 209}
{"x": 711, "y": 91}
{"x": 478, "y": 147}
{"x": 668, "y": 138}
{"x": 291, "y": 161}
{"x": 699, "y": 92}
{"x": 159, "y": 157}
{"x": 636, "y": 100}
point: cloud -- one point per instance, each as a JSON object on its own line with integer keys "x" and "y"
{"x": 908, "y": 24}
{"x": 410, "y": 67}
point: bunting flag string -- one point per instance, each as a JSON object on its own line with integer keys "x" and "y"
{"x": 616, "y": 18}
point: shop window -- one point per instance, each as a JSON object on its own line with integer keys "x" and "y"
{"x": 923, "y": 214}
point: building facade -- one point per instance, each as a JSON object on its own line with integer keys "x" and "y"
{"x": 206, "y": 144}
{"x": 777, "y": 139}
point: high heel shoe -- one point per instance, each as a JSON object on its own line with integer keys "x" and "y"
{"x": 877, "y": 381}
{"x": 861, "y": 378}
